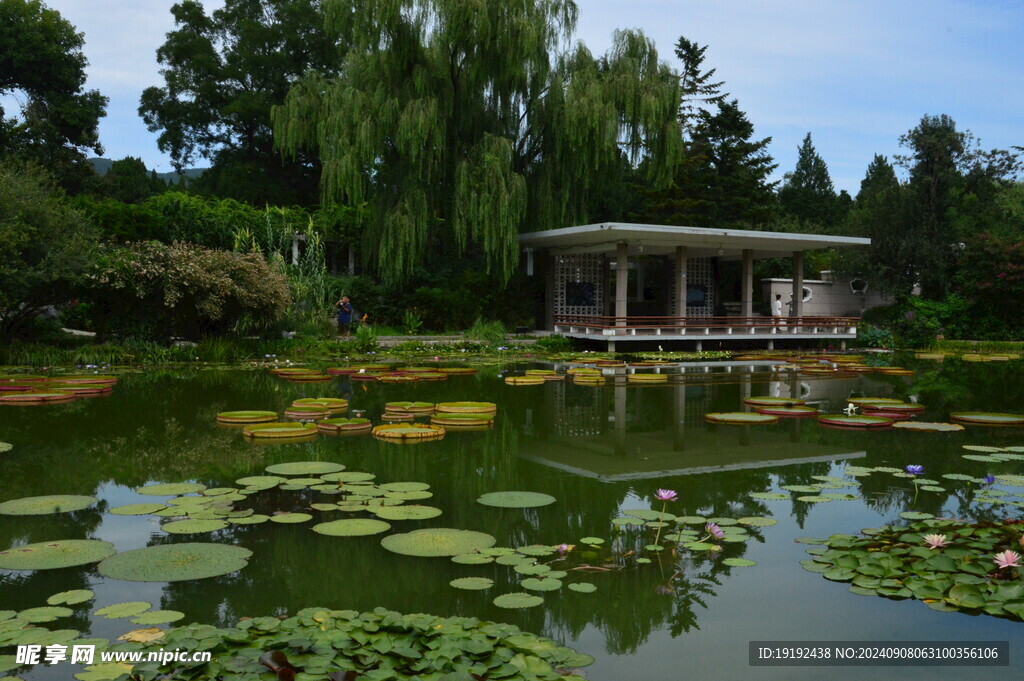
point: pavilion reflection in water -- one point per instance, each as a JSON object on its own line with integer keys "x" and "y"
{"x": 625, "y": 431}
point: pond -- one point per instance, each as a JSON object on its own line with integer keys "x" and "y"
{"x": 600, "y": 451}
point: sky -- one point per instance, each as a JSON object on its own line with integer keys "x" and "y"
{"x": 855, "y": 74}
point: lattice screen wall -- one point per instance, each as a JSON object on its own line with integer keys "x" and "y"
{"x": 581, "y": 419}
{"x": 583, "y": 272}
{"x": 698, "y": 273}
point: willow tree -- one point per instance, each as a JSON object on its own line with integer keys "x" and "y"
{"x": 460, "y": 122}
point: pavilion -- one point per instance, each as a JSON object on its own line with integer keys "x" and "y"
{"x": 668, "y": 283}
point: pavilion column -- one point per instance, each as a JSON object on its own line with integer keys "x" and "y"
{"x": 747, "y": 284}
{"x": 548, "y": 262}
{"x": 798, "y": 285}
{"x": 681, "y": 253}
{"x": 621, "y": 282}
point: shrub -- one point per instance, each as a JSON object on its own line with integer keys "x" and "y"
{"x": 491, "y": 333}
{"x": 555, "y": 342}
{"x": 153, "y": 290}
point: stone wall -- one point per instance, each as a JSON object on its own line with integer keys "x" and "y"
{"x": 825, "y": 297}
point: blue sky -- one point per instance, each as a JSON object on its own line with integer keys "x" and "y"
{"x": 854, "y": 74}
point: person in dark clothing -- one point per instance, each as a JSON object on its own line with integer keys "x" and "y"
{"x": 344, "y": 307}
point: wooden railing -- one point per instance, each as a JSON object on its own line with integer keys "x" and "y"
{"x": 683, "y": 326}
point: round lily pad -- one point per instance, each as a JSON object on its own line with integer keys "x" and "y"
{"x": 352, "y": 527}
{"x": 916, "y": 515}
{"x": 158, "y": 617}
{"x": 305, "y": 468}
{"x": 45, "y": 505}
{"x": 593, "y": 541}
{"x": 773, "y": 401}
{"x": 409, "y": 496}
{"x": 768, "y": 496}
{"x": 740, "y": 418}
{"x": 170, "y": 489}
{"x": 844, "y": 421}
{"x": 541, "y": 584}
{"x": 290, "y": 518}
{"x": 440, "y": 541}
{"x": 927, "y": 426}
{"x": 253, "y": 519}
{"x": 583, "y": 587}
{"x": 261, "y": 481}
{"x": 757, "y": 521}
{"x": 348, "y": 476}
{"x": 46, "y": 613}
{"x": 128, "y": 609}
{"x": 518, "y": 600}
{"x": 247, "y": 416}
{"x": 410, "y": 512}
{"x": 472, "y": 559}
{"x": 55, "y": 554}
{"x": 516, "y": 499}
{"x": 472, "y": 583}
{"x": 175, "y": 562}
{"x": 138, "y": 509}
{"x": 72, "y": 597}
{"x": 193, "y": 526}
{"x": 739, "y": 562}
{"x": 404, "y": 486}
{"x": 987, "y": 418}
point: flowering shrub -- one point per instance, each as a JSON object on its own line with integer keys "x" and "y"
{"x": 156, "y": 290}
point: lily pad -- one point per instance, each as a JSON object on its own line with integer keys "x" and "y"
{"x": 46, "y": 613}
{"x": 72, "y": 597}
{"x": 175, "y": 562}
{"x": 138, "y": 509}
{"x": 123, "y": 609}
{"x": 472, "y": 583}
{"x": 55, "y": 554}
{"x": 518, "y": 600}
{"x": 46, "y": 505}
{"x": 254, "y": 519}
{"x": 352, "y": 527}
{"x": 348, "y": 476}
{"x": 290, "y": 518}
{"x": 404, "y": 486}
{"x": 845, "y": 421}
{"x": 916, "y": 515}
{"x": 987, "y": 418}
{"x": 583, "y": 587}
{"x": 739, "y": 562}
{"x": 193, "y": 526}
{"x": 158, "y": 617}
{"x": 472, "y": 559}
{"x": 261, "y": 482}
{"x": 928, "y": 426}
{"x": 305, "y": 468}
{"x": 410, "y": 512}
{"x": 170, "y": 489}
{"x": 757, "y": 521}
{"x": 441, "y": 541}
{"x": 541, "y": 584}
{"x": 516, "y": 499}
{"x": 744, "y": 418}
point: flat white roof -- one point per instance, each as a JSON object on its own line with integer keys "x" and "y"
{"x": 662, "y": 239}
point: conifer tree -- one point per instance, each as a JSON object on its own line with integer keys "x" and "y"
{"x": 807, "y": 193}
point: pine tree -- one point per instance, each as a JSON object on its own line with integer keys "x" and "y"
{"x": 807, "y": 193}
{"x": 698, "y": 91}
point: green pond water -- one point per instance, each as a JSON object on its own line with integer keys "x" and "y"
{"x": 598, "y": 450}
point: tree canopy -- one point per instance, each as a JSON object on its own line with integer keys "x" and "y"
{"x": 222, "y": 74}
{"x": 42, "y": 64}
{"x": 460, "y": 121}
{"x": 807, "y": 193}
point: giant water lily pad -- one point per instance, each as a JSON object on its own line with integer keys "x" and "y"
{"x": 247, "y": 416}
{"x": 175, "y": 562}
{"x": 440, "y": 541}
{"x": 518, "y": 600}
{"x": 516, "y": 499}
{"x": 927, "y": 426}
{"x": 352, "y": 527}
{"x": 409, "y": 512}
{"x": 46, "y": 505}
{"x": 987, "y": 418}
{"x": 844, "y": 421}
{"x": 305, "y": 468}
{"x": 55, "y": 554}
{"x": 170, "y": 489}
{"x": 739, "y": 418}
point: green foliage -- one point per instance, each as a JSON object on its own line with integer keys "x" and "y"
{"x": 222, "y": 74}
{"x": 48, "y": 246}
{"x": 455, "y": 121}
{"x": 152, "y": 290}
{"x": 41, "y": 62}
{"x": 555, "y": 342}
{"x": 807, "y": 193}
{"x": 127, "y": 180}
{"x": 412, "y": 322}
{"x": 366, "y": 338}
{"x": 870, "y": 336}
{"x": 491, "y": 333}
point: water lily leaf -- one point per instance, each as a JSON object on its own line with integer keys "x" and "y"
{"x": 593, "y": 541}
{"x": 55, "y": 554}
{"x": 290, "y": 518}
{"x": 768, "y": 496}
{"x": 193, "y": 526}
{"x": 535, "y": 550}
{"x": 352, "y": 527}
{"x": 304, "y": 468}
{"x": 518, "y": 600}
{"x": 932, "y": 488}
{"x": 46, "y": 613}
{"x": 516, "y": 499}
{"x": 254, "y": 519}
{"x": 627, "y": 520}
{"x": 531, "y": 568}
{"x": 916, "y": 515}
{"x": 261, "y": 481}
{"x": 404, "y": 486}
{"x": 46, "y": 505}
{"x": 642, "y": 561}
{"x": 441, "y": 541}
{"x": 158, "y": 617}
{"x": 513, "y": 559}
{"x": 105, "y": 671}
{"x": 739, "y": 562}
{"x": 409, "y": 512}
{"x": 170, "y": 489}
{"x": 72, "y": 597}
{"x": 409, "y": 496}
{"x": 348, "y": 476}
{"x": 472, "y": 559}
{"x": 541, "y": 584}
{"x": 701, "y": 546}
{"x": 138, "y": 509}
{"x": 583, "y": 587}
{"x": 472, "y": 583}
{"x": 757, "y": 521}
{"x": 128, "y": 609}
{"x": 175, "y": 562}
{"x": 966, "y": 596}
{"x": 143, "y": 635}
{"x": 810, "y": 540}
{"x": 814, "y": 499}
{"x": 692, "y": 519}
{"x": 805, "y": 489}
{"x": 5, "y": 447}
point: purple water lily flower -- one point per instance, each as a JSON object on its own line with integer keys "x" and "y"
{"x": 989, "y": 479}
{"x": 714, "y": 530}
{"x": 915, "y": 469}
{"x": 665, "y": 495}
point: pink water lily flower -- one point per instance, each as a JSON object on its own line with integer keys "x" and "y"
{"x": 935, "y": 541}
{"x": 1007, "y": 559}
{"x": 714, "y": 530}
{"x": 665, "y": 495}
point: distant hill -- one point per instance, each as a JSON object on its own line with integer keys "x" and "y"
{"x": 102, "y": 165}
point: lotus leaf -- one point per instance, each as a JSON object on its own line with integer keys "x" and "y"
{"x": 411, "y": 512}
{"x": 441, "y": 541}
{"x": 170, "y": 489}
{"x": 72, "y": 597}
{"x": 472, "y": 583}
{"x": 352, "y": 527}
{"x": 46, "y": 613}
{"x": 541, "y": 584}
{"x": 304, "y": 468}
{"x": 105, "y": 671}
{"x": 138, "y": 509}
{"x": 175, "y": 562}
{"x": 158, "y": 617}
{"x": 518, "y": 600}
{"x": 118, "y": 610}
{"x": 193, "y": 526}
{"x": 55, "y": 554}
{"x": 516, "y": 499}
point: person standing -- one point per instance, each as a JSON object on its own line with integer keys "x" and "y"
{"x": 777, "y": 310}
{"x": 344, "y": 307}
